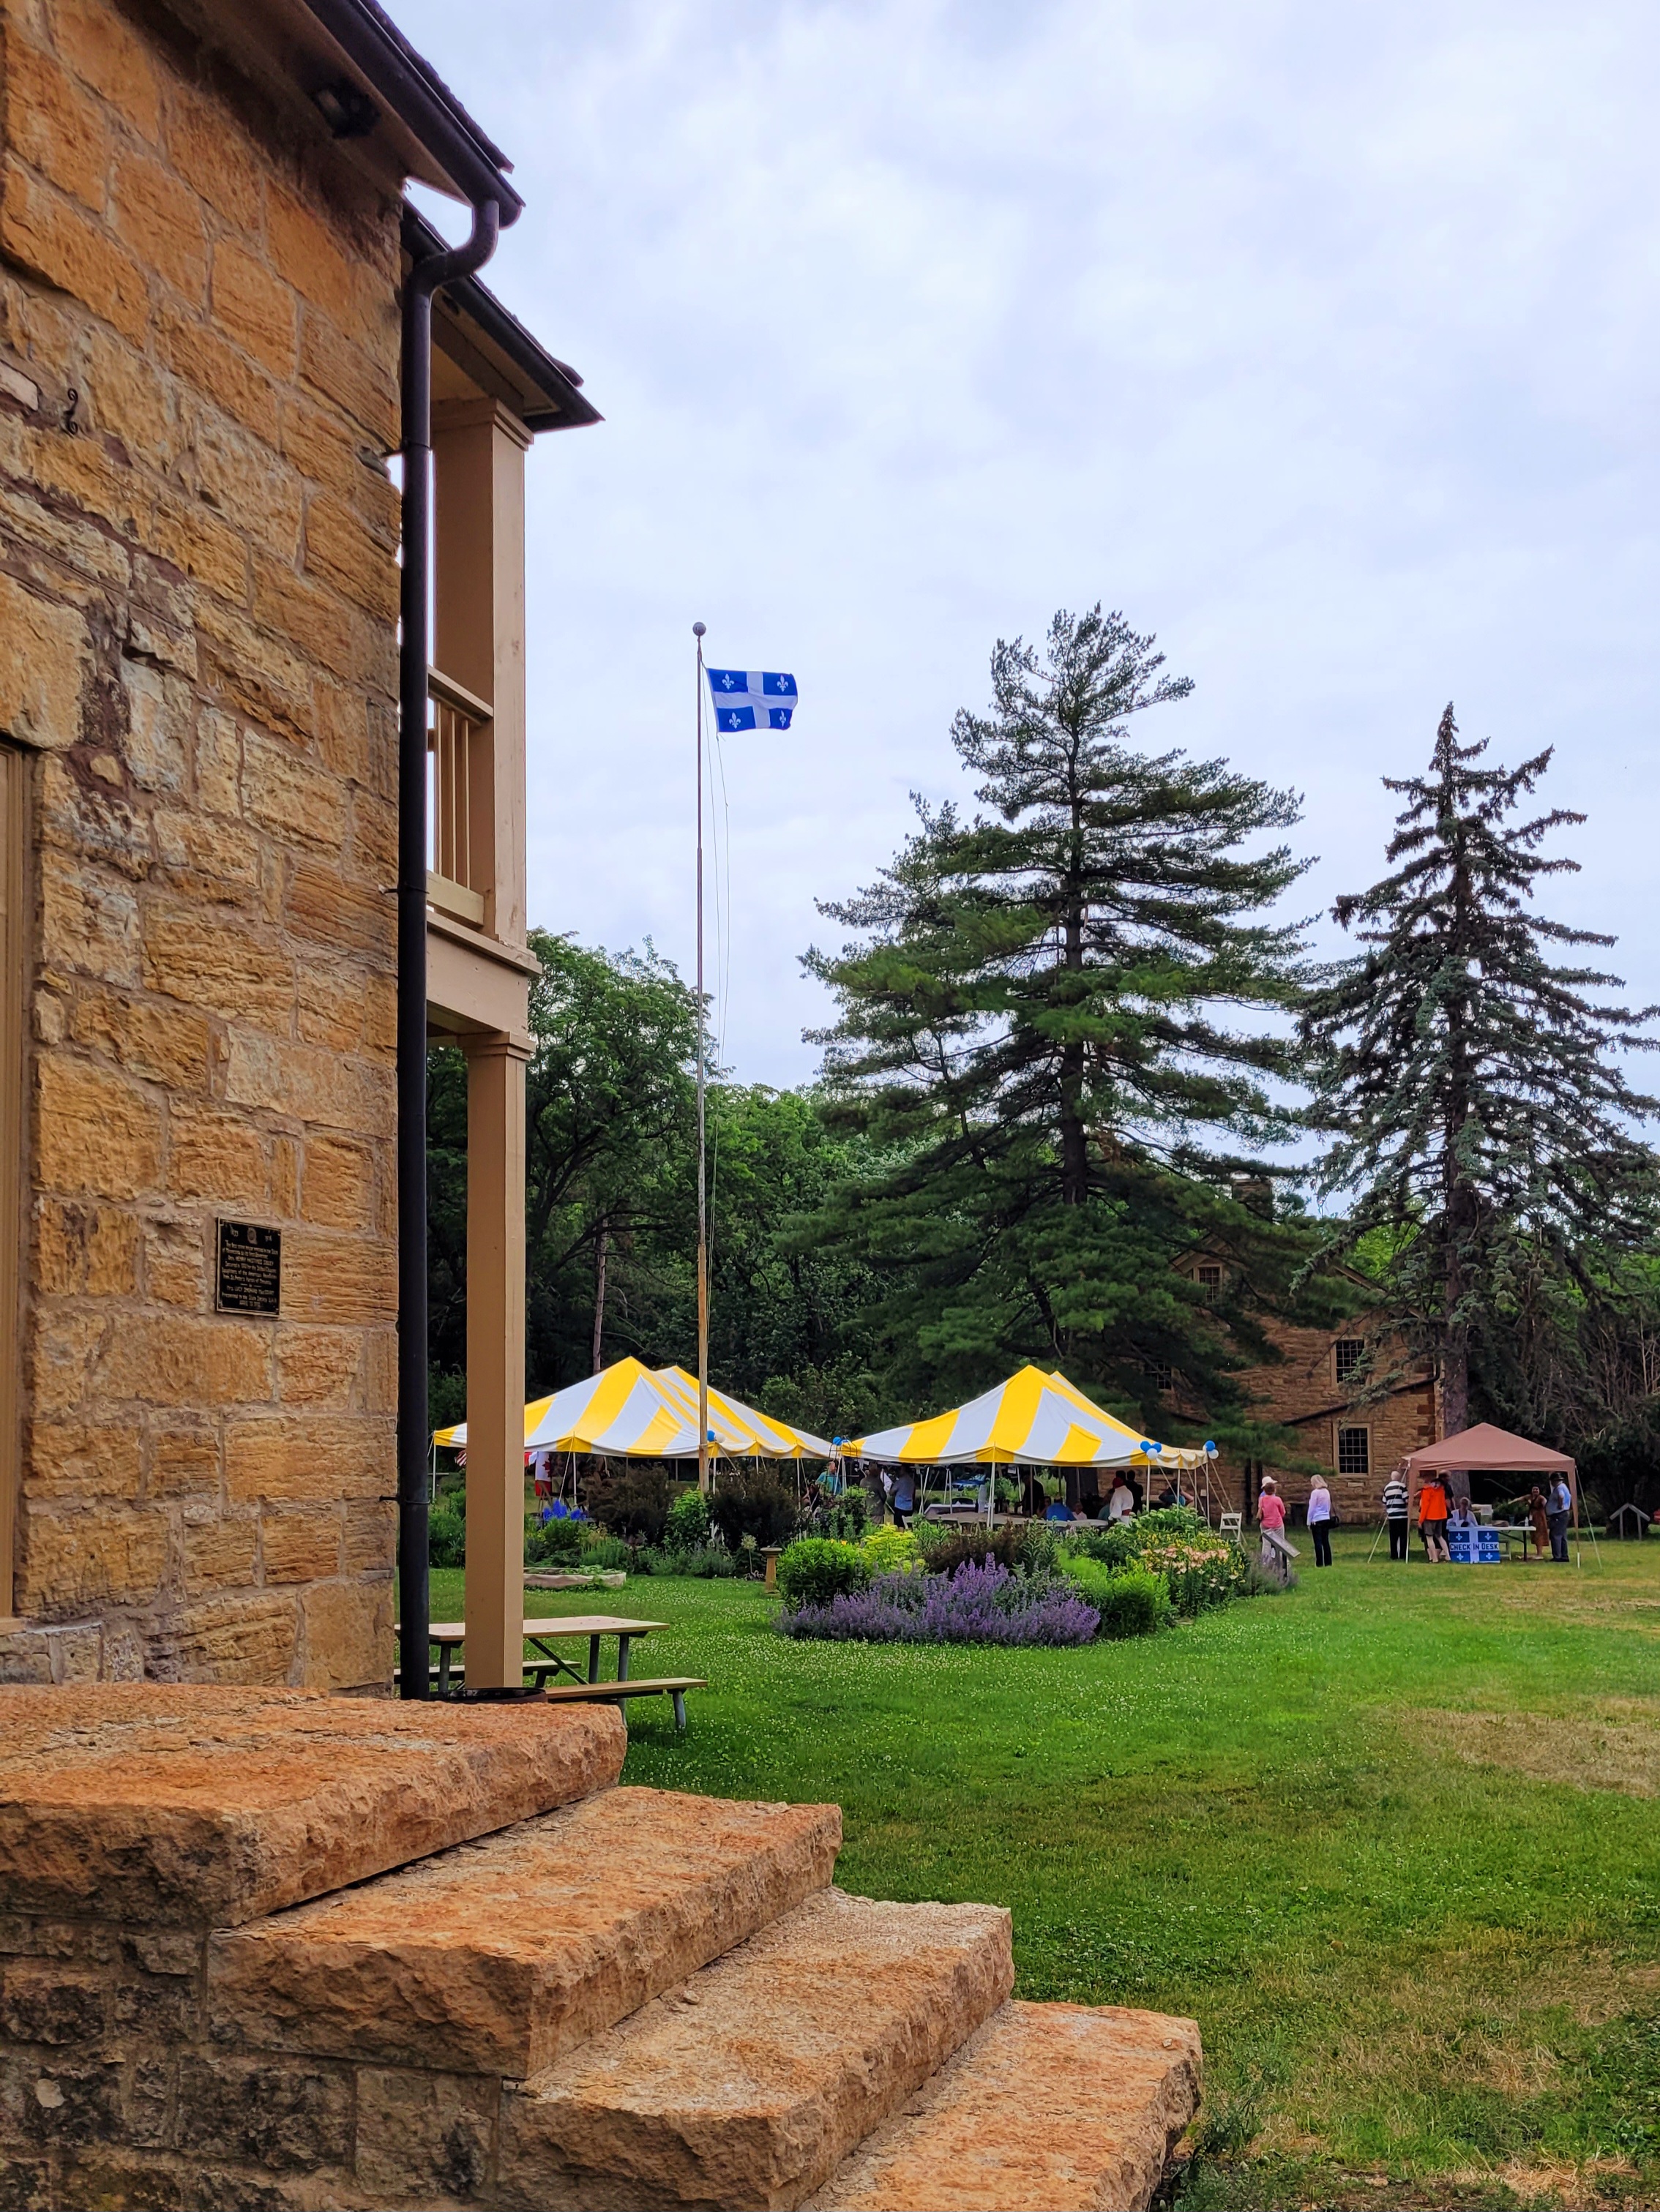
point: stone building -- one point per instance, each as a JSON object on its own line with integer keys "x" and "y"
{"x": 1357, "y": 1437}
{"x": 1323, "y": 1388}
{"x": 202, "y": 252}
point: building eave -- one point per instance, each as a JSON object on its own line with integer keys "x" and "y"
{"x": 383, "y": 103}
{"x": 498, "y": 353}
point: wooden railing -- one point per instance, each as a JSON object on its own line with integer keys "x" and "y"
{"x": 459, "y": 785}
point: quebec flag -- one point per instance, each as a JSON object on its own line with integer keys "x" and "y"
{"x": 751, "y": 699}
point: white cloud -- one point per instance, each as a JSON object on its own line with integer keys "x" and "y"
{"x": 1318, "y": 340}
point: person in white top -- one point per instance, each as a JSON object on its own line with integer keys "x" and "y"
{"x": 1122, "y": 1504}
{"x": 1320, "y": 1521}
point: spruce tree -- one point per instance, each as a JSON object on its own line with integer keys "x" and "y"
{"x": 1462, "y": 1071}
{"x": 1035, "y": 1037}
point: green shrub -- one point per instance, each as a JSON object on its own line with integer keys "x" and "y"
{"x": 1131, "y": 1602}
{"x": 1007, "y": 1546}
{"x": 815, "y": 1569}
{"x": 1112, "y": 1542}
{"x": 447, "y": 1538}
{"x": 1162, "y": 1522}
{"x": 1041, "y": 1545}
{"x": 687, "y": 1529}
{"x": 713, "y": 1562}
{"x": 604, "y": 1552}
{"x": 891, "y": 1551}
{"x": 707, "y": 1563}
{"x": 846, "y": 1517}
{"x": 750, "y": 1501}
{"x": 1200, "y": 1571}
{"x": 634, "y": 1502}
{"x": 552, "y": 1543}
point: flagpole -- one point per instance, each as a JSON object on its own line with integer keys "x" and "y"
{"x": 697, "y": 631}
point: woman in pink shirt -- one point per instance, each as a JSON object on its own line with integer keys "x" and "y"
{"x": 1271, "y": 1517}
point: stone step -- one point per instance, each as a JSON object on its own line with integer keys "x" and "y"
{"x": 1049, "y": 2108}
{"x": 202, "y": 1807}
{"x": 749, "y": 2085}
{"x": 501, "y": 1956}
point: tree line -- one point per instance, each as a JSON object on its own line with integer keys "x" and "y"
{"x": 1079, "y": 1041}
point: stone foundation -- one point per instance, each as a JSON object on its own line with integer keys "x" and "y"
{"x": 280, "y": 1950}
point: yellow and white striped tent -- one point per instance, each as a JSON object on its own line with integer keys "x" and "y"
{"x": 1033, "y": 1419}
{"x": 621, "y": 1411}
{"x": 1148, "y": 1451}
{"x": 740, "y": 1432}
{"x": 629, "y": 1411}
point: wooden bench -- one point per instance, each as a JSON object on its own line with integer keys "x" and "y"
{"x": 587, "y": 1693}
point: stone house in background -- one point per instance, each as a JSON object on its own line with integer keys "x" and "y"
{"x": 1320, "y": 1387}
{"x": 203, "y": 248}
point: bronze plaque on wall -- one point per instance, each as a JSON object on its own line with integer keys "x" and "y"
{"x": 250, "y": 1268}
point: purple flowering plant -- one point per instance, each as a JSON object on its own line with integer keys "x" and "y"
{"x": 981, "y": 1603}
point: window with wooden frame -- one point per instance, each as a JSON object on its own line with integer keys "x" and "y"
{"x": 1349, "y": 1351}
{"x": 13, "y": 790}
{"x": 1354, "y": 1451}
{"x": 1209, "y": 1279}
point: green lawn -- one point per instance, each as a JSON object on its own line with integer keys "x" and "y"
{"x": 1392, "y": 1839}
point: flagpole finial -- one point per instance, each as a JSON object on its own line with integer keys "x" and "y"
{"x": 698, "y": 630}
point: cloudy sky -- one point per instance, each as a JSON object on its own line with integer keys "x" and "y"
{"x": 1321, "y": 341}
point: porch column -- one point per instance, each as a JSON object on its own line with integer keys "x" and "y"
{"x": 496, "y": 1357}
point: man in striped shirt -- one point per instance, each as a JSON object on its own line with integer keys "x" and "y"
{"x": 1395, "y": 1515}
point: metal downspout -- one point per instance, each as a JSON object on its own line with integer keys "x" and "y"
{"x": 413, "y": 1592}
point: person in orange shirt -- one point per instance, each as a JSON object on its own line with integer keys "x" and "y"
{"x": 1432, "y": 1518}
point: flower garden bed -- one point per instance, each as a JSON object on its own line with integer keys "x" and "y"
{"x": 1046, "y": 1584}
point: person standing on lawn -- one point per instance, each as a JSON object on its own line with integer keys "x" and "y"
{"x": 1397, "y": 1511}
{"x": 1541, "y": 1520}
{"x": 1560, "y": 1505}
{"x": 1320, "y": 1521}
{"x": 1432, "y": 1518}
{"x": 1271, "y": 1518}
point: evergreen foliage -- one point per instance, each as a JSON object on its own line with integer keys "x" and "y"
{"x": 1037, "y": 1040}
{"x": 1461, "y": 1070}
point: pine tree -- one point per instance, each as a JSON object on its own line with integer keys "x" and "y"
{"x": 1033, "y": 1034}
{"x": 1463, "y": 1072}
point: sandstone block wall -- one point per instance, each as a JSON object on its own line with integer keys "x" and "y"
{"x": 1305, "y": 1391}
{"x": 198, "y": 353}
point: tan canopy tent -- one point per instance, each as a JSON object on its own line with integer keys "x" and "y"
{"x": 1485, "y": 1449}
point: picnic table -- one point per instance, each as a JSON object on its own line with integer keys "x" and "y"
{"x": 450, "y": 1635}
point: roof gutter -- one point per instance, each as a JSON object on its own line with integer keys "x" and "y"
{"x": 414, "y": 1577}
{"x": 563, "y": 406}
{"x": 390, "y": 66}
